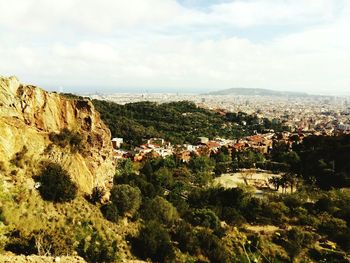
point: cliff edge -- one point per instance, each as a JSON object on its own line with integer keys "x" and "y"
{"x": 30, "y": 116}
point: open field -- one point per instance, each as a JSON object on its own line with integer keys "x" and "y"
{"x": 255, "y": 178}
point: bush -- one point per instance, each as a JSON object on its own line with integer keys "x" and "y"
{"x": 18, "y": 159}
{"x": 94, "y": 248}
{"x": 213, "y": 248}
{"x": 295, "y": 240}
{"x": 161, "y": 210}
{"x": 331, "y": 226}
{"x": 186, "y": 238}
{"x": 110, "y": 212}
{"x": 56, "y": 184}
{"x": 204, "y": 217}
{"x": 67, "y": 137}
{"x": 232, "y": 216}
{"x": 275, "y": 211}
{"x": 126, "y": 198}
{"x": 96, "y": 195}
{"x": 21, "y": 244}
{"x": 154, "y": 242}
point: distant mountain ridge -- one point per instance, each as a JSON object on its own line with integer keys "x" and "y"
{"x": 257, "y": 92}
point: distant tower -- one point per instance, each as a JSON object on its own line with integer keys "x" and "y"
{"x": 203, "y": 100}
{"x": 60, "y": 89}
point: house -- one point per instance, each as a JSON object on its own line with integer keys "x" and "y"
{"x": 203, "y": 140}
{"x": 117, "y": 142}
{"x": 213, "y": 146}
{"x": 184, "y": 156}
{"x": 120, "y": 154}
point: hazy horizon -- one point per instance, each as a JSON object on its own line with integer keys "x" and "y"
{"x": 185, "y": 46}
{"x": 150, "y": 90}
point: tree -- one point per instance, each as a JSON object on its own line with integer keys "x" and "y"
{"x": 126, "y": 198}
{"x": 223, "y": 162}
{"x": 292, "y": 159}
{"x": 201, "y": 164}
{"x": 203, "y": 178}
{"x": 275, "y": 181}
{"x": 55, "y": 184}
{"x": 204, "y": 217}
{"x": 161, "y": 210}
{"x": 154, "y": 242}
{"x": 291, "y": 180}
{"x": 125, "y": 167}
{"x": 163, "y": 177}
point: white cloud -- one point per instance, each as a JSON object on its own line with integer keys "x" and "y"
{"x": 252, "y": 13}
{"x": 131, "y": 44}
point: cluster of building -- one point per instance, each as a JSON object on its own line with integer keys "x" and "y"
{"x": 158, "y": 147}
{"x": 309, "y": 115}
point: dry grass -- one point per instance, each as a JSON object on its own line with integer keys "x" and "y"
{"x": 23, "y": 209}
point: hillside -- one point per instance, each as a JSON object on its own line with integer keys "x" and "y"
{"x": 257, "y": 92}
{"x": 28, "y": 115}
{"x": 54, "y": 152}
{"x": 62, "y": 199}
{"x": 177, "y": 122}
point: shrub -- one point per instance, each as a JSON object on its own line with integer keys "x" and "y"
{"x": 96, "y": 195}
{"x": 331, "y": 226}
{"x": 67, "y": 137}
{"x": 186, "y": 238}
{"x": 232, "y": 216}
{"x": 154, "y": 242}
{"x": 94, "y": 248}
{"x": 295, "y": 240}
{"x": 21, "y": 244}
{"x": 110, "y": 212}
{"x": 161, "y": 210}
{"x": 275, "y": 211}
{"x": 204, "y": 217}
{"x": 126, "y": 198}
{"x": 56, "y": 184}
{"x": 213, "y": 248}
{"x": 18, "y": 159}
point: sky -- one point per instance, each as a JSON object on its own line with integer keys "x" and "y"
{"x": 177, "y": 45}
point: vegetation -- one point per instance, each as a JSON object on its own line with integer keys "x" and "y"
{"x": 177, "y": 122}
{"x": 55, "y": 184}
{"x": 178, "y": 215}
{"x": 126, "y": 199}
{"x": 304, "y": 221}
{"x": 170, "y": 210}
{"x": 66, "y": 138}
{"x": 154, "y": 243}
{"x": 95, "y": 249}
{"x": 19, "y": 159}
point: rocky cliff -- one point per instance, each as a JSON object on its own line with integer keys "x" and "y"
{"x": 28, "y": 115}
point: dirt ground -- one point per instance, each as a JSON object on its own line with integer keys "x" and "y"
{"x": 258, "y": 179}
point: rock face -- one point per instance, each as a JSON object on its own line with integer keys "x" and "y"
{"x": 29, "y": 114}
